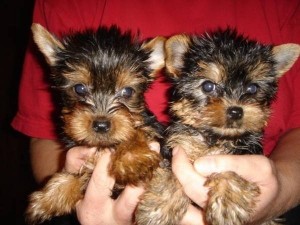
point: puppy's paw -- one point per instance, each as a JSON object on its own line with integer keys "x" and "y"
{"x": 134, "y": 167}
{"x": 231, "y": 199}
{"x": 58, "y": 197}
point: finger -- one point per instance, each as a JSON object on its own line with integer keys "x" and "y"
{"x": 87, "y": 152}
{"x": 101, "y": 184}
{"x": 191, "y": 181}
{"x": 155, "y": 146}
{"x": 193, "y": 216}
{"x": 241, "y": 164}
{"x": 97, "y": 203}
{"x": 126, "y": 204}
{"x": 81, "y": 152}
{"x": 76, "y": 157}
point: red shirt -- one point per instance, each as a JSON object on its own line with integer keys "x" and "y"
{"x": 268, "y": 21}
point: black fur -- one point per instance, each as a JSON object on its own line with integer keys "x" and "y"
{"x": 238, "y": 56}
{"x": 103, "y": 52}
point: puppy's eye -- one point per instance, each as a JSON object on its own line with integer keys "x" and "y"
{"x": 127, "y": 92}
{"x": 80, "y": 89}
{"x": 252, "y": 89}
{"x": 208, "y": 86}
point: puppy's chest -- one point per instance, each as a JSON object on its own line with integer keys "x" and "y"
{"x": 197, "y": 144}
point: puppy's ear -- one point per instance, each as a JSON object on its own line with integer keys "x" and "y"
{"x": 285, "y": 56}
{"x": 47, "y": 43}
{"x": 176, "y": 46}
{"x": 157, "y": 56}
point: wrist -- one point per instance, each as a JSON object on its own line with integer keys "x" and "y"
{"x": 286, "y": 159}
{"x": 287, "y": 189}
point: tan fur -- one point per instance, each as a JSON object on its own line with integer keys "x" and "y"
{"x": 175, "y": 47}
{"x": 183, "y": 107}
{"x": 133, "y": 162}
{"x": 79, "y": 75}
{"x": 171, "y": 192}
{"x": 48, "y": 42}
{"x": 59, "y": 195}
{"x": 126, "y": 79}
{"x": 64, "y": 190}
{"x": 259, "y": 71}
{"x": 212, "y": 71}
{"x": 236, "y": 195}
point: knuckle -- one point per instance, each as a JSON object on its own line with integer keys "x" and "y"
{"x": 267, "y": 167}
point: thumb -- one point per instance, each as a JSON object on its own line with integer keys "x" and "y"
{"x": 126, "y": 203}
{"x": 243, "y": 165}
{"x": 215, "y": 164}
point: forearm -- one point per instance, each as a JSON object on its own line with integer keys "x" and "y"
{"x": 47, "y": 157}
{"x": 286, "y": 158}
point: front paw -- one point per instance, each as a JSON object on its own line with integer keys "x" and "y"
{"x": 58, "y": 197}
{"x": 232, "y": 199}
{"x": 132, "y": 168}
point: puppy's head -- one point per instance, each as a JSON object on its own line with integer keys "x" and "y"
{"x": 223, "y": 82}
{"x": 101, "y": 77}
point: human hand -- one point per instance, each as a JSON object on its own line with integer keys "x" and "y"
{"x": 97, "y": 207}
{"x": 192, "y": 183}
{"x": 193, "y": 177}
{"x": 76, "y": 157}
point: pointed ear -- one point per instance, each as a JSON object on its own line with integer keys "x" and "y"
{"x": 157, "y": 55}
{"x": 285, "y": 56}
{"x": 176, "y": 47}
{"x": 47, "y": 43}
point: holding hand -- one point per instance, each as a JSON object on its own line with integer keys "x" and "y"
{"x": 254, "y": 168}
{"x": 97, "y": 207}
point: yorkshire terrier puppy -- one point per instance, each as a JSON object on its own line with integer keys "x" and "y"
{"x": 100, "y": 77}
{"x": 223, "y": 85}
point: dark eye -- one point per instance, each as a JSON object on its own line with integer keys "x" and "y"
{"x": 127, "y": 92}
{"x": 252, "y": 89}
{"x": 208, "y": 86}
{"x": 80, "y": 89}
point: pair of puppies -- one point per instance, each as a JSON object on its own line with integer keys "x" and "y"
{"x": 223, "y": 85}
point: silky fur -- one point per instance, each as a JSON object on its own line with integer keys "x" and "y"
{"x": 100, "y": 78}
{"x": 223, "y": 85}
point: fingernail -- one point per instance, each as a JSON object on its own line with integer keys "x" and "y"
{"x": 175, "y": 151}
{"x": 91, "y": 151}
{"x": 94, "y": 149}
{"x": 154, "y": 146}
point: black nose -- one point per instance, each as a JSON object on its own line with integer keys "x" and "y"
{"x": 235, "y": 113}
{"x": 101, "y": 126}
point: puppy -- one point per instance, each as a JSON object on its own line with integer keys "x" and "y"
{"x": 100, "y": 77}
{"x": 223, "y": 85}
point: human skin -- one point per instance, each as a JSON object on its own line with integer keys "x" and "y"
{"x": 46, "y": 157}
{"x": 277, "y": 177}
{"x": 97, "y": 207}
